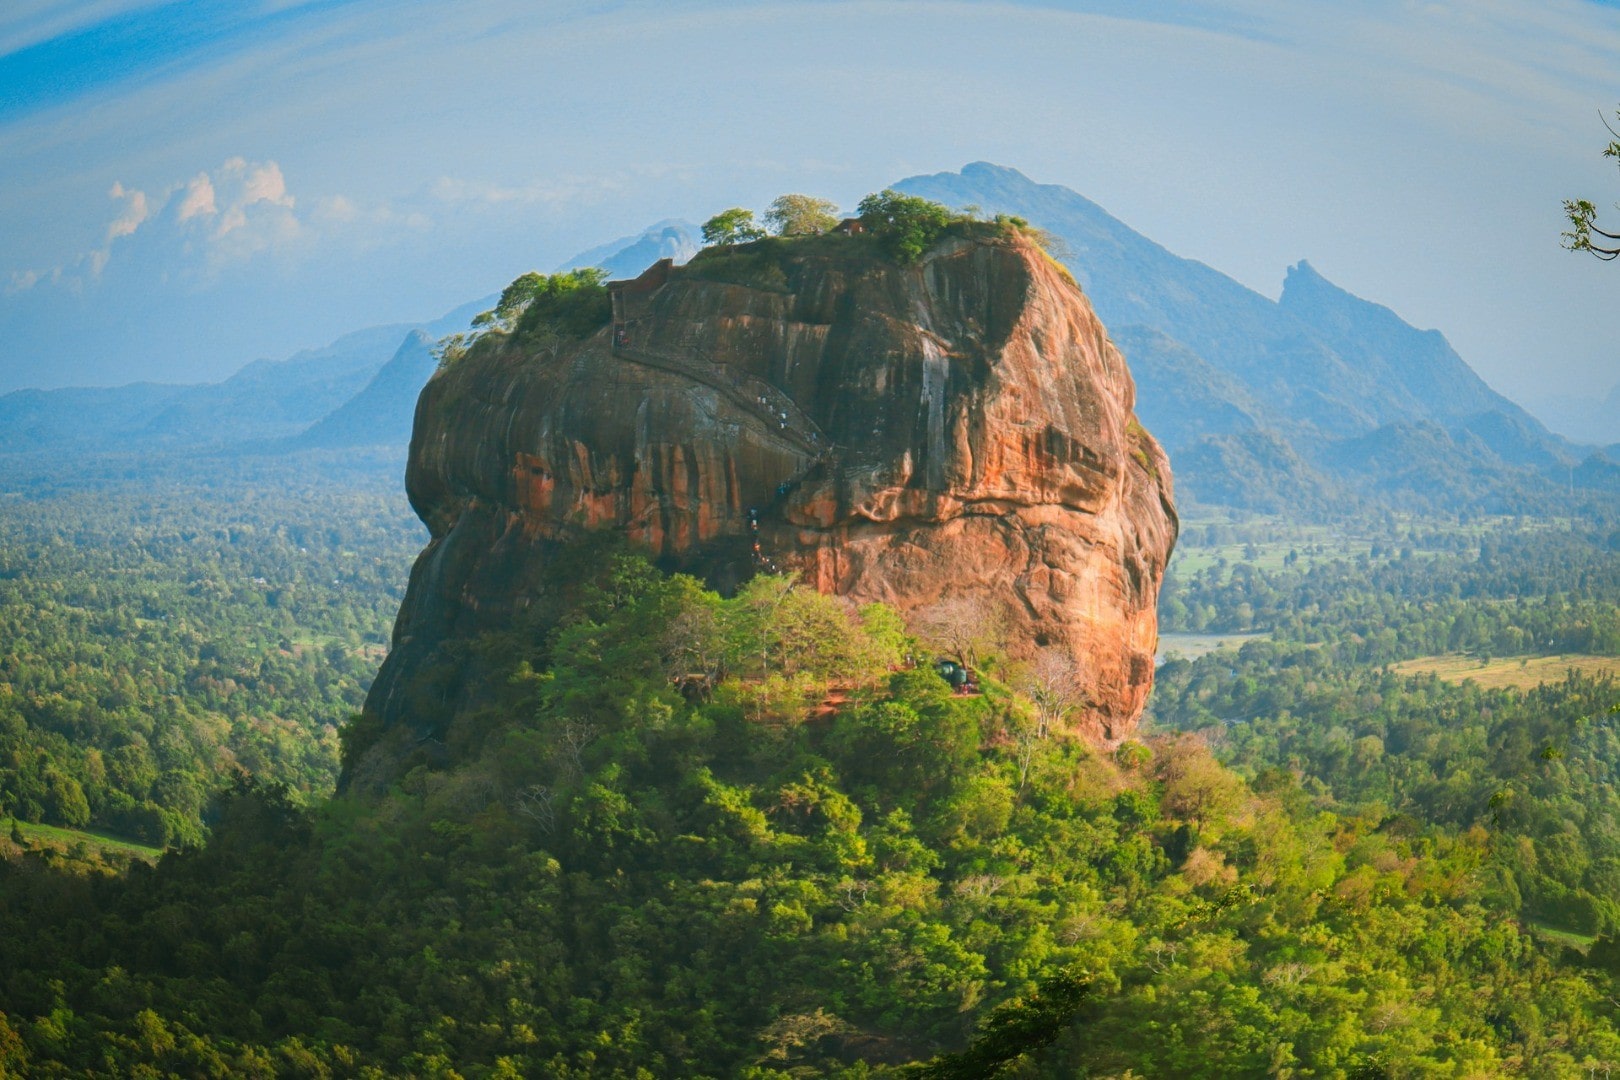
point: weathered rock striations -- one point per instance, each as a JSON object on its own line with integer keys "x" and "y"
{"x": 908, "y": 434}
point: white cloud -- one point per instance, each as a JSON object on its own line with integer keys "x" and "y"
{"x": 22, "y": 280}
{"x": 198, "y": 200}
{"x": 236, "y": 212}
{"x": 134, "y": 213}
{"x": 250, "y": 211}
{"x": 258, "y": 183}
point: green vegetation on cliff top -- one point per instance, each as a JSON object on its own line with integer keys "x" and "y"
{"x": 540, "y": 312}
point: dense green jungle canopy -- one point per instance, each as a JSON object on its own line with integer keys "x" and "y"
{"x": 158, "y": 638}
{"x": 814, "y": 860}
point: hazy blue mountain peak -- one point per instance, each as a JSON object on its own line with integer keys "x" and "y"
{"x": 1304, "y": 287}
{"x": 381, "y": 413}
{"x": 1420, "y": 364}
{"x": 628, "y": 256}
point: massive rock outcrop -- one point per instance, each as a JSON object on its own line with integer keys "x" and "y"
{"x": 960, "y": 426}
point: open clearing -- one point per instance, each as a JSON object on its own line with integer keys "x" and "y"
{"x": 1192, "y": 646}
{"x": 1567, "y": 938}
{"x": 1520, "y": 672}
{"x": 1267, "y": 543}
{"x": 63, "y": 839}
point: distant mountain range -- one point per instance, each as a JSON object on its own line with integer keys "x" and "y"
{"x": 360, "y": 390}
{"x": 264, "y": 402}
{"x": 381, "y": 413}
{"x": 1313, "y": 402}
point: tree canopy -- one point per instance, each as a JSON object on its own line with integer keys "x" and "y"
{"x": 705, "y": 836}
{"x": 549, "y": 307}
{"x": 907, "y": 224}
{"x": 1582, "y": 214}
{"x": 801, "y": 215}
{"x": 568, "y": 298}
{"x": 734, "y": 226}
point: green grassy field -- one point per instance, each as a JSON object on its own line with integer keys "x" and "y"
{"x": 1269, "y": 541}
{"x": 1566, "y": 938}
{"x": 64, "y": 839}
{"x": 1521, "y": 672}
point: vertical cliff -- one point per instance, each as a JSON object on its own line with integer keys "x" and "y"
{"x": 959, "y": 426}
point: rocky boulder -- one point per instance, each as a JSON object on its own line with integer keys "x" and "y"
{"x": 957, "y": 427}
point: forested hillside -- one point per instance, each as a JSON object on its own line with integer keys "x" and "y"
{"x": 1324, "y": 705}
{"x": 812, "y": 860}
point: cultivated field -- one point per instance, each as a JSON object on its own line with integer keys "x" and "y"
{"x": 1192, "y": 646}
{"x": 1522, "y": 672}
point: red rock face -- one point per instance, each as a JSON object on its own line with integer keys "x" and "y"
{"x": 957, "y": 427}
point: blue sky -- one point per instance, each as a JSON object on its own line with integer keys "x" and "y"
{"x": 185, "y": 187}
